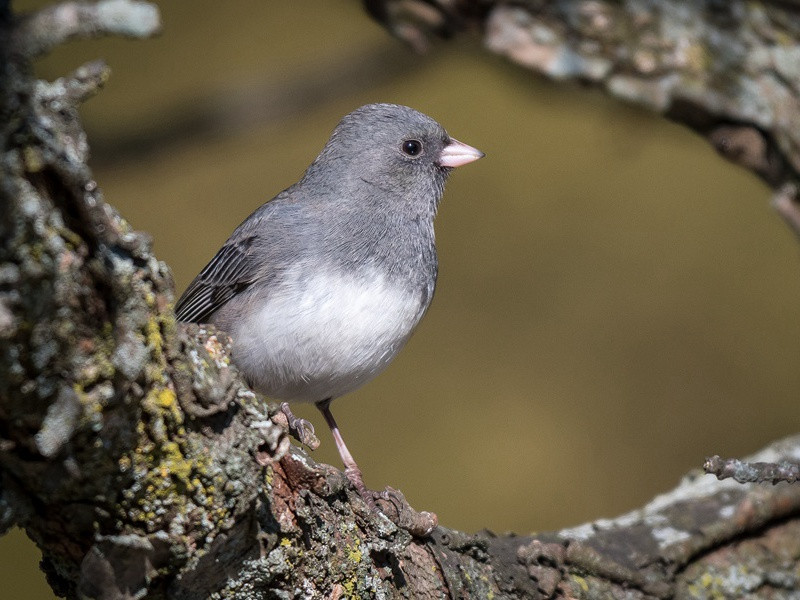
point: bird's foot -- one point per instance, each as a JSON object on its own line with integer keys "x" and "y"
{"x": 300, "y": 429}
{"x": 394, "y": 506}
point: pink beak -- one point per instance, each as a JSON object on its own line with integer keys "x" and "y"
{"x": 457, "y": 153}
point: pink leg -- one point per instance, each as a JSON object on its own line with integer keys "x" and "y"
{"x": 351, "y": 469}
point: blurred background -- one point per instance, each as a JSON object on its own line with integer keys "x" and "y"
{"x": 615, "y": 302}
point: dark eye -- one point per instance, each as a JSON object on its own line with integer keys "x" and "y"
{"x": 412, "y": 147}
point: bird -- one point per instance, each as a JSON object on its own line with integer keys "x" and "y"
{"x": 321, "y": 287}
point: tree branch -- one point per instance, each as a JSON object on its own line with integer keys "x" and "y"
{"x": 727, "y": 70}
{"x": 38, "y": 33}
{"x": 749, "y": 472}
{"x": 138, "y": 461}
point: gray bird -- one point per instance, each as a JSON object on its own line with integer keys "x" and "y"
{"x": 322, "y": 286}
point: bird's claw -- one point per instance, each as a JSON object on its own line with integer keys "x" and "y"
{"x": 393, "y": 504}
{"x": 301, "y": 429}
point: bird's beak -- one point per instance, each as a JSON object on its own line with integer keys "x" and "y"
{"x": 457, "y": 153}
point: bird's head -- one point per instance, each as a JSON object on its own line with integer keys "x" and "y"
{"x": 391, "y": 148}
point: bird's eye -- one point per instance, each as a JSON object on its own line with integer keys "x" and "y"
{"x": 412, "y": 147}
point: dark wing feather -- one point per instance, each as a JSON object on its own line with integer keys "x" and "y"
{"x": 245, "y": 258}
{"x": 230, "y": 271}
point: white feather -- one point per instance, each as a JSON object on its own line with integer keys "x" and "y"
{"x": 329, "y": 336}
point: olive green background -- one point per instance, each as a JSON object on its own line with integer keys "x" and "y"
{"x": 615, "y": 301}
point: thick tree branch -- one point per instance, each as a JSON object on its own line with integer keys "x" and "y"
{"x": 138, "y": 461}
{"x": 728, "y": 70}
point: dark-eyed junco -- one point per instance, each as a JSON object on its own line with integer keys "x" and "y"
{"x": 322, "y": 286}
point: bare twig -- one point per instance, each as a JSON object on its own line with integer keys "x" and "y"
{"x": 84, "y": 83}
{"x": 752, "y": 472}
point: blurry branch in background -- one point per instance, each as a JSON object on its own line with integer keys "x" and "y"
{"x": 240, "y": 109}
{"x": 730, "y": 70}
{"x": 141, "y": 465}
{"x": 37, "y": 33}
{"x": 727, "y": 70}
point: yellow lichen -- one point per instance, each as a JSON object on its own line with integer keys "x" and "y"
{"x": 162, "y": 404}
{"x": 696, "y": 58}
{"x": 124, "y": 463}
{"x": 708, "y": 586}
{"x": 154, "y": 339}
{"x": 32, "y": 157}
{"x": 354, "y": 552}
{"x": 581, "y": 582}
{"x": 166, "y": 398}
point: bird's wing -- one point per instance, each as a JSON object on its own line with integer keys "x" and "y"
{"x": 232, "y": 269}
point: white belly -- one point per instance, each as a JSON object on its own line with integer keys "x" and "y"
{"x": 326, "y": 337}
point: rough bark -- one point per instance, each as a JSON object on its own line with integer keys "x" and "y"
{"x": 728, "y": 70}
{"x": 137, "y": 460}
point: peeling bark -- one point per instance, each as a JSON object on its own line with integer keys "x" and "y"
{"x": 139, "y": 462}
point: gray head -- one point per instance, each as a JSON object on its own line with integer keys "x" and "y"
{"x": 394, "y": 148}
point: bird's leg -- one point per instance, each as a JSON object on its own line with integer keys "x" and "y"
{"x": 301, "y": 429}
{"x": 351, "y": 469}
{"x": 390, "y": 502}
